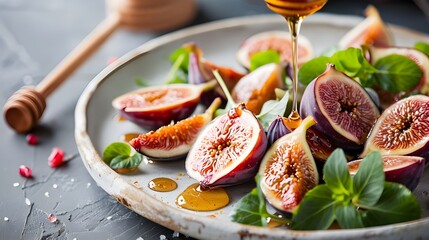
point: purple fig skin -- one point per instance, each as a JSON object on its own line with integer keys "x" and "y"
{"x": 382, "y": 136}
{"x": 406, "y": 170}
{"x": 310, "y": 107}
{"x": 242, "y": 164}
{"x": 157, "y": 118}
{"x": 276, "y": 130}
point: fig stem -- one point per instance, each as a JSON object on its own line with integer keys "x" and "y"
{"x": 307, "y": 122}
{"x": 213, "y": 107}
{"x": 175, "y": 67}
{"x": 224, "y": 87}
{"x": 207, "y": 86}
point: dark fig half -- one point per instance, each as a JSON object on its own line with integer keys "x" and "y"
{"x": 344, "y": 111}
{"x": 407, "y": 170}
{"x": 174, "y": 141}
{"x": 153, "y": 107}
{"x": 288, "y": 170}
{"x": 402, "y": 129}
{"x": 228, "y": 151}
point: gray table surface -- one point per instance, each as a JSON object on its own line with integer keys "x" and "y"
{"x": 34, "y": 37}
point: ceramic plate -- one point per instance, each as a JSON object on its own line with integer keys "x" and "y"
{"x": 97, "y": 126}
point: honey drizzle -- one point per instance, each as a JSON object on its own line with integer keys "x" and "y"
{"x": 196, "y": 199}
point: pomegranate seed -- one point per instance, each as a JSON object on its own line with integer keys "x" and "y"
{"x": 32, "y": 139}
{"x": 25, "y": 171}
{"x": 52, "y": 218}
{"x": 56, "y": 158}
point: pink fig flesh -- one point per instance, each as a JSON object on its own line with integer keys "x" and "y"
{"x": 288, "y": 170}
{"x": 153, "y": 107}
{"x": 344, "y": 111}
{"x": 407, "y": 170}
{"x": 228, "y": 151}
{"x": 402, "y": 129}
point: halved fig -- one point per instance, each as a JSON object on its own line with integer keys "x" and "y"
{"x": 406, "y": 170}
{"x": 153, "y": 107}
{"x": 371, "y": 31}
{"x": 288, "y": 170}
{"x": 228, "y": 151}
{"x": 175, "y": 140}
{"x": 257, "y": 87}
{"x": 201, "y": 71}
{"x": 344, "y": 111}
{"x": 402, "y": 129}
{"x": 421, "y": 59}
{"x": 279, "y": 41}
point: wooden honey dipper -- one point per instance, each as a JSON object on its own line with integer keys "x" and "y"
{"x": 23, "y": 109}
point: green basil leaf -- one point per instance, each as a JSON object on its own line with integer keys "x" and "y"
{"x": 316, "y": 210}
{"x": 141, "y": 82}
{"x": 181, "y": 52}
{"x": 176, "y": 74}
{"x": 261, "y": 58}
{"x": 126, "y": 161}
{"x": 179, "y": 77}
{"x": 336, "y": 173}
{"x": 396, "y": 204}
{"x": 312, "y": 69}
{"x": 348, "y": 217}
{"x": 116, "y": 149}
{"x": 271, "y": 109}
{"x": 396, "y": 73}
{"x": 369, "y": 180}
{"x": 349, "y": 61}
{"x": 422, "y": 46}
{"x": 246, "y": 211}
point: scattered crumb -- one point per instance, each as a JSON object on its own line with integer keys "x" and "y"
{"x": 74, "y": 238}
{"x": 88, "y": 185}
{"x": 46, "y": 194}
{"x": 16, "y": 184}
{"x": 176, "y": 234}
{"x": 162, "y": 237}
{"x": 109, "y": 217}
{"x": 72, "y": 180}
{"x": 139, "y": 238}
{"x": 55, "y": 186}
{"x": 27, "y": 201}
{"x": 6, "y": 219}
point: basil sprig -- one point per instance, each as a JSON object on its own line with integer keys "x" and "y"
{"x": 363, "y": 200}
{"x": 252, "y": 210}
{"x": 394, "y": 73}
{"x": 264, "y": 57}
{"x": 358, "y": 201}
{"x": 121, "y": 155}
{"x": 423, "y": 47}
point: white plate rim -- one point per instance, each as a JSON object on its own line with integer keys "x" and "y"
{"x": 185, "y": 222}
